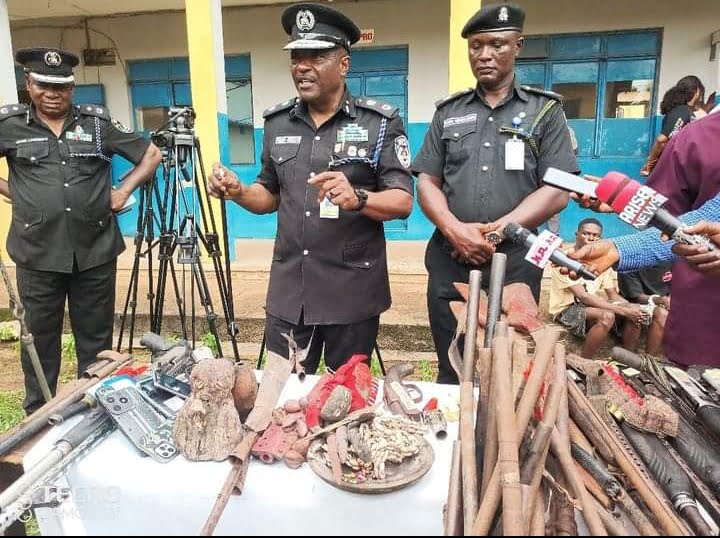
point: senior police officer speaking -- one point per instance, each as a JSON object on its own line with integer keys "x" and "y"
{"x": 480, "y": 167}
{"x": 334, "y": 167}
{"x": 64, "y": 238}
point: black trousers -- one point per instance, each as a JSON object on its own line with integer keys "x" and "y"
{"x": 444, "y": 271}
{"x": 90, "y": 296}
{"x": 339, "y": 342}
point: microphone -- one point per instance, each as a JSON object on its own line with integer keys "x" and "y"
{"x": 636, "y": 204}
{"x": 544, "y": 248}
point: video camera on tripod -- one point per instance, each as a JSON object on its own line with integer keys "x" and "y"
{"x": 178, "y": 132}
{"x": 177, "y": 207}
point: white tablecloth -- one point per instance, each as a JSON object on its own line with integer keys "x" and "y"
{"x": 115, "y": 491}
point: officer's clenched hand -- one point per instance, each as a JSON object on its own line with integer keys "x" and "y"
{"x": 699, "y": 257}
{"x": 224, "y": 184}
{"x": 469, "y": 243}
{"x": 118, "y": 197}
{"x": 337, "y": 188}
{"x": 598, "y": 256}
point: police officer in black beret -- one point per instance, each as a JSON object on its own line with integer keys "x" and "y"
{"x": 481, "y": 166}
{"x": 64, "y": 238}
{"x": 334, "y": 167}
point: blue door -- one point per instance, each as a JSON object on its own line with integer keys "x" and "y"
{"x": 608, "y": 82}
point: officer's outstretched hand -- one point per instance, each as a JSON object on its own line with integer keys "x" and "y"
{"x": 699, "y": 257}
{"x": 224, "y": 184}
{"x": 598, "y": 256}
{"x": 336, "y": 187}
{"x": 469, "y": 243}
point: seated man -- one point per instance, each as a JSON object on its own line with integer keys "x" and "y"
{"x": 651, "y": 288}
{"x": 589, "y": 308}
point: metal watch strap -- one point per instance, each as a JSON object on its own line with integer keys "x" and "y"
{"x": 362, "y": 197}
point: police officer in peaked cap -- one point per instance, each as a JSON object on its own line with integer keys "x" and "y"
{"x": 64, "y": 238}
{"x": 481, "y": 167}
{"x": 334, "y": 168}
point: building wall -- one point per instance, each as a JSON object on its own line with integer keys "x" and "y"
{"x": 257, "y": 31}
{"x": 686, "y": 35}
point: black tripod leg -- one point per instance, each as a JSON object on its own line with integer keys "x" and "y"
{"x": 379, "y": 358}
{"x": 258, "y": 366}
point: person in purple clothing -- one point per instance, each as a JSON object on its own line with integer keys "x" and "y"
{"x": 688, "y": 173}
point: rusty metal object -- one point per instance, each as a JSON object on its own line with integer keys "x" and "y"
{"x": 436, "y": 421}
{"x": 601, "y": 433}
{"x": 398, "y": 396}
{"x": 245, "y": 390}
{"x": 453, "y": 510}
{"x": 275, "y": 376}
{"x": 543, "y": 357}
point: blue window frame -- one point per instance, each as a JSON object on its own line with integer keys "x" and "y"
{"x": 609, "y": 82}
{"x": 157, "y": 85}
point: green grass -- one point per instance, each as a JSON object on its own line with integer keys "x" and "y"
{"x": 68, "y": 370}
{"x": 11, "y": 411}
{"x": 209, "y": 341}
{"x": 8, "y": 334}
{"x": 426, "y": 371}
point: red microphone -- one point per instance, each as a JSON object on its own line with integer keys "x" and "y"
{"x": 636, "y": 204}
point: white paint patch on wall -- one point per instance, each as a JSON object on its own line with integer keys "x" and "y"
{"x": 686, "y": 29}
{"x": 418, "y": 24}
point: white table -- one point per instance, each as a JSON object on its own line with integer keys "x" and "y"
{"x": 115, "y": 491}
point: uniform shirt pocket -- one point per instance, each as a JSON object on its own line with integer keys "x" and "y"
{"x": 282, "y": 153}
{"x": 458, "y": 142}
{"x": 27, "y": 219}
{"x": 84, "y": 155}
{"x": 32, "y": 150}
{"x": 98, "y": 219}
{"x": 360, "y": 256}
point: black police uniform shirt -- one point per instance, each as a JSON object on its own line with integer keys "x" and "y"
{"x": 465, "y": 147}
{"x": 333, "y": 271}
{"x": 60, "y": 187}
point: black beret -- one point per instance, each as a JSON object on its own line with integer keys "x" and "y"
{"x": 495, "y": 18}
{"x": 53, "y": 66}
{"x": 316, "y": 26}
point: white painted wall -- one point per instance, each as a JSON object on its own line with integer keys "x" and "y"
{"x": 686, "y": 29}
{"x": 420, "y": 24}
{"x": 257, "y": 31}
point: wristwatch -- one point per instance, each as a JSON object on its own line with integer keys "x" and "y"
{"x": 362, "y": 196}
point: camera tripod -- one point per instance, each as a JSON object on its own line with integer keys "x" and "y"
{"x": 184, "y": 220}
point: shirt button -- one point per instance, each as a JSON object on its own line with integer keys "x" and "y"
{"x": 63, "y": 163}
{"x": 68, "y": 209}
{"x": 484, "y": 168}
{"x": 59, "y": 141}
{"x": 306, "y": 252}
{"x": 66, "y": 185}
{"x": 307, "y": 213}
{"x": 317, "y": 138}
{"x": 491, "y": 118}
{"x": 487, "y": 144}
{"x": 367, "y": 264}
{"x": 312, "y": 174}
{"x": 32, "y": 159}
{"x": 456, "y": 135}
{"x": 280, "y": 159}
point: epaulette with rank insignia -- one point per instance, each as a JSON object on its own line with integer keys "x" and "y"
{"x": 7, "y": 111}
{"x": 546, "y": 93}
{"x": 94, "y": 110}
{"x": 380, "y": 107}
{"x": 280, "y": 107}
{"x": 444, "y": 101}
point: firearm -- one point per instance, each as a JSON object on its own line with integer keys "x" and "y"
{"x": 398, "y": 395}
{"x": 694, "y": 394}
{"x": 71, "y": 447}
{"x": 108, "y": 362}
{"x": 671, "y": 477}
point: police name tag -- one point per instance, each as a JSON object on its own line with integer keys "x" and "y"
{"x": 514, "y": 154}
{"x": 539, "y": 254}
{"x": 328, "y": 210}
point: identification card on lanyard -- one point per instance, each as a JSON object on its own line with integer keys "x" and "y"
{"x": 328, "y": 210}
{"x": 514, "y": 154}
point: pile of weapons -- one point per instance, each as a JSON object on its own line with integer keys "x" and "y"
{"x": 554, "y": 443}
